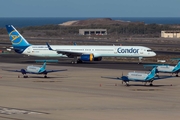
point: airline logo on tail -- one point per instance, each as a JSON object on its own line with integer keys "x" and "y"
{"x": 15, "y": 38}
{"x": 18, "y": 42}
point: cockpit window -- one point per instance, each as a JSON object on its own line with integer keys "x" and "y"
{"x": 149, "y": 51}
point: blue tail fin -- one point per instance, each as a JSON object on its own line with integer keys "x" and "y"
{"x": 17, "y": 40}
{"x": 152, "y": 74}
{"x": 43, "y": 68}
{"x": 177, "y": 67}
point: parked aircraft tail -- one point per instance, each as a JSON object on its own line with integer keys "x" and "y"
{"x": 44, "y": 65}
{"x": 19, "y": 43}
{"x": 43, "y": 68}
{"x": 177, "y": 67}
{"x": 152, "y": 74}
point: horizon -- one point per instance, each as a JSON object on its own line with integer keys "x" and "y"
{"x": 89, "y": 17}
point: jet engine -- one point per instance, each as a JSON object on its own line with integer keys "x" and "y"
{"x": 90, "y": 57}
{"x": 87, "y": 57}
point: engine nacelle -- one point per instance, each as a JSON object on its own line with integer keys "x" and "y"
{"x": 87, "y": 57}
{"x": 90, "y": 57}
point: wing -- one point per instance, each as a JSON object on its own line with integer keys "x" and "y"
{"x": 162, "y": 77}
{"x": 49, "y": 71}
{"x": 21, "y": 71}
{"x": 123, "y": 78}
{"x": 115, "y": 78}
{"x": 12, "y": 70}
{"x": 68, "y": 53}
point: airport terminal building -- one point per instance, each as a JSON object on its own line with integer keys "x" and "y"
{"x": 92, "y": 31}
{"x": 170, "y": 34}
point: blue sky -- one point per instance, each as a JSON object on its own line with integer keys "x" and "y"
{"x": 90, "y": 8}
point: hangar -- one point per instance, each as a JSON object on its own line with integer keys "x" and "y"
{"x": 92, "y": 31}
{"x": 170, "y": 34}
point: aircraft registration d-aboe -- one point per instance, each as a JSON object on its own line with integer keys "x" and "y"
{"x": 139, "y": 77}
{"x": 80, "y": 53}
{"x": 36, "y": 70}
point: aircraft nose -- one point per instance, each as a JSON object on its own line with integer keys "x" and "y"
{"x": 154, "y": 54}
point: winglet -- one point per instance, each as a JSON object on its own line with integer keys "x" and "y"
{"x": 49, "y": 47}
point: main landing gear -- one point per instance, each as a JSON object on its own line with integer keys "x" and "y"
{"x": 45, "y": 76}
{"x": 177, "y": 74}
{"x": 76, "y": 60}
{"x": 151, "y": 83}
{"x": 127, "y": 83}
{"x": 140, "y": 60}
{"x": 25, "y": 76}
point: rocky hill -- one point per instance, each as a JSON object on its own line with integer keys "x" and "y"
{"x": 98, "y": 21}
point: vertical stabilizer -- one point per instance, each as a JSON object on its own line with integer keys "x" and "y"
{"x": 177, "y": 67}
{"x": 19, "y": 43}
{"x": 43, "y": 68}
{"x": 15, "y": 37}
{"x": 152, "y": 74}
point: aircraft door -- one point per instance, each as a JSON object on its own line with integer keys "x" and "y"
{"x": 115, "y": 50}
{"x": 28, "y": 50}
{"x": 141, "y": 52}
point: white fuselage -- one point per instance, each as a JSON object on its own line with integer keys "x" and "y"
{"x": 33, "y": 69}
{"x": 165, "y": 68}
{"x": 137, "y": 76}
{"x": 97, "y": 51}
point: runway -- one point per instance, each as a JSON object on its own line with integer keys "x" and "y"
{"x": 82, "y": 94}
{"x": 125, "y": 64}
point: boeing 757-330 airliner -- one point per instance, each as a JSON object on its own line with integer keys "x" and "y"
{"x": 78, "y": 52}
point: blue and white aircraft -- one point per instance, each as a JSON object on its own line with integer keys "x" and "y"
{"x": 78, "y": 52}
{"x": 36, "y": 70}
{"x": 167, "y": 68}
{"x": 138, "y": 77}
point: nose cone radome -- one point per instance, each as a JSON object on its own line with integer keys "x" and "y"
{"x": 153, "y": 54}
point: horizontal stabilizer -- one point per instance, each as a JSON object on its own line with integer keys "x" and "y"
{"x": 154, "y": 65}
{"x": 178, "y": 59}
{"x": 116, "y": 78}
{"x": 51, "y": 61}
